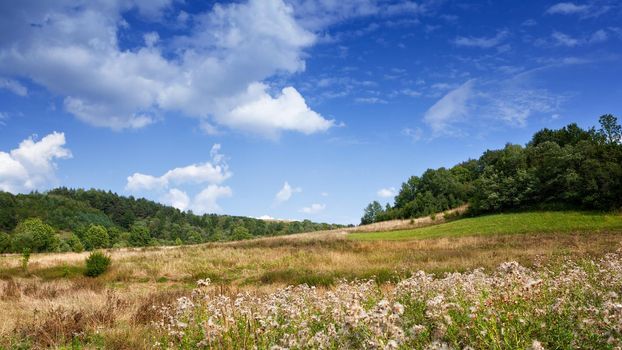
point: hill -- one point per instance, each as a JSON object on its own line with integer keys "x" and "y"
{"x": 505, "y": 224}
{"x": 570, "y": 168}
{"x": 75, "y": 219}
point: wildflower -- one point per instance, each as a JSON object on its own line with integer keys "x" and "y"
{"x": 535, "y": 345}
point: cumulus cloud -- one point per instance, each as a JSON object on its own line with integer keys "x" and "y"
{"x": 176, "y": 198}
{"x": 206, "y": 200}
{"x": 32, "y": 165}
{"x": 567, "y": 8}
{"x": 313, "y": 208}
{"x": 482, "y": 42}
{"x": 386, "y": 192}
{"x": 286, "y": 193}
{"x": 214, "y": 73}
{"x": 212, "y": 173}
{"x": 269, "y": 115}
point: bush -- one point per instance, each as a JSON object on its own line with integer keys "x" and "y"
{"x": 95, "y": 237}
{"x": 35, "y": 235}
{"x": 96, "y": 264}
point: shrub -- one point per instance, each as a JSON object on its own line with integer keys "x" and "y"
{"x": 96, "y": 264}
{"x": 25, "y": 259}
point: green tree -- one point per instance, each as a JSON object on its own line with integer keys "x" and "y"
{"x": 139, "y": 235}
{"x": 35, "y": 235}
{"x": 240, "y": 233}
{"x": 371, "y": 212}
{"x": 5, "y": 242}
{"x": 8, "y": 218}
{"x": 610, "y": 129}
{"x": 96, "y": 237}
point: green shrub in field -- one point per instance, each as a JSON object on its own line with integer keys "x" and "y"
{"x": 96, "y": 264}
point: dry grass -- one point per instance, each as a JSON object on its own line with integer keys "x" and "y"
{"x": 53, "y": 288}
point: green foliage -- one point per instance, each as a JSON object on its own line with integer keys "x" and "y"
{"x": 139, "y": 235}
{"x": 126, "y": 221}
{"x": 73, "y": 243}
{"x": 371, "y": 213}
{"x": 610, "y": 130}
{"x": 35, "y": 235}
{"x": 96, "y": 264}
{"x": 8, "y": 218}
{"x": 565, "y": 168}
{"x": 241, "y": 233}
{"x": 5, "y": 242}
{"x": 95, "y": 237}
{"x": 25, "y": 259}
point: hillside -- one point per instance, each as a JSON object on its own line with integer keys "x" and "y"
{"x": 72, "y": 220}
{"x": 540, "y": 222}
{"x": 565, "y": 169}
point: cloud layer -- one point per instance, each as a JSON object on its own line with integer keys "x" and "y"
{"x": 214, "y": 71}
{"x": 32, "y": 165}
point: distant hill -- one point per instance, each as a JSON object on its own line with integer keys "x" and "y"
{"x": 76, "y": 219}
{"x": 568, "y": 168}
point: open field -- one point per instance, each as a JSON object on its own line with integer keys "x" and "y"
{"x": 510, "y": 223}
{"x": 53, "y": 304}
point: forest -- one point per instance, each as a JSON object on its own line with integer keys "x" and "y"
{"x": 75, "y": 219}
{"x": 567, "y": 168}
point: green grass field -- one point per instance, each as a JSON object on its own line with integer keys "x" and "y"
{"x": 513, "y": 223}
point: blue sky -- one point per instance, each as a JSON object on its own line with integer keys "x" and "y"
{"x": 288, "y": 109}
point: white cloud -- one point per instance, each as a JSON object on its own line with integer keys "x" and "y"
{"x": 317, "y": 15}
{"x": 414, "y": 134}
{"x": 482, "y": 42}
{"x": 512, "y": 102}
{"x": 176, "y": 198}
{"x": 313, "y": 208}
{"x": 206, "y": 200}
{"x": 386, "y": 192}
{"x": 370, "y": 100}
{"x": 567, "y": 8}
{"x": 214, "y": 172}
{"x": 562, "y": 39}
{"x": 599, "y": 36}
{"x": 260, "y": 112}
{"x": 286, "y": 193}
{"x": 214, "y": 73}
{"x": 13, "y": 86}
{"x": 32, "y": 165}
{"x": 449, "y": 109}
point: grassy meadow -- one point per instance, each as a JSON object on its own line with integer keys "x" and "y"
{"x": 507, "y": 223}
{"x": 150, "y": 296}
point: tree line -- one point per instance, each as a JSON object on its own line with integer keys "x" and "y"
{"x": 567, "y": 168}
{"x": 66, "y": 219}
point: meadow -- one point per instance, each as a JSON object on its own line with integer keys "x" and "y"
{"x": 507, "y": 281}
